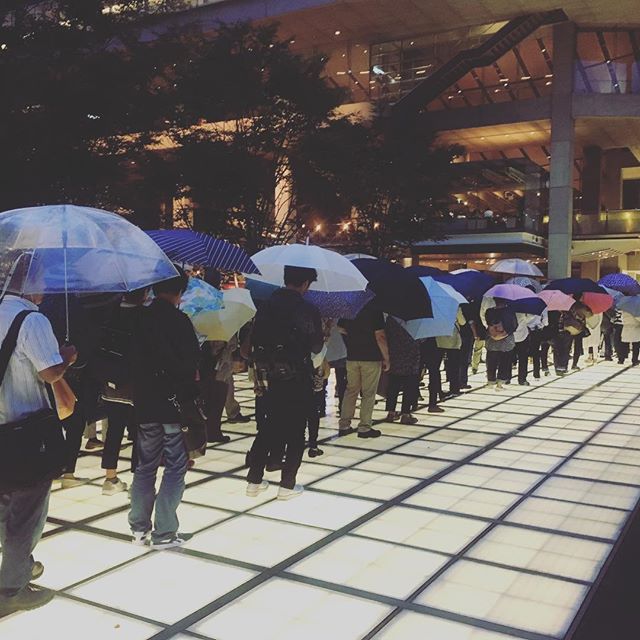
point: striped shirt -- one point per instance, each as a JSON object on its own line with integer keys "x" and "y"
{"x": 22, "y": 392}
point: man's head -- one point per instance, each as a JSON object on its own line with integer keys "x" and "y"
{"x": 171, "y": 290}
{"x": 136, "y": 297}
{"x": 299, "y": 278}
{"x": 213, "y": 277}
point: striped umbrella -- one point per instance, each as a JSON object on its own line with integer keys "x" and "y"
{"x": 194, "y": 247}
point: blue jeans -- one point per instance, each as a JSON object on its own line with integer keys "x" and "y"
{"x": 156, "y": 442}
{"x": 22, "y": 516}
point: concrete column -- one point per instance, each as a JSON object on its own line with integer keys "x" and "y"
{"x": 623, "y": 262}
{"x": 562, "y": 152}
{"x": 614, "y": 160}
{"x": 591, "y": 179}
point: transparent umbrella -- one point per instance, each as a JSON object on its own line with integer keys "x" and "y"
{"x": 70, "y": 249}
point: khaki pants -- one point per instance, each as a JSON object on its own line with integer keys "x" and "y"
{"x": 362, "y": 376}
{"x": 478, "y": 346}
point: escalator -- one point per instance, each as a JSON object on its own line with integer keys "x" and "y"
{"x": 491, "y": 50}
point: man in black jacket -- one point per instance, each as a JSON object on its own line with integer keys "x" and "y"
{"x": 166, "y": 356}
{"x": 286, "y": 332}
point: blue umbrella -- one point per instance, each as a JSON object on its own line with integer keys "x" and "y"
{"x": 445, "y": 301}
{"x": 621, "y": 282}
{"x": 193, "y": 247}
{"x": 398, "y": 291}
{"x": 532, "y": 306}
{"x": 575, "y": 286}
{"x": 471, "y": 284}
{"x": 630, "y": 304}
{"x": 332, "y": 304}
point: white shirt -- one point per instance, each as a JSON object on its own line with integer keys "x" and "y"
{"x": 22, "y": 392}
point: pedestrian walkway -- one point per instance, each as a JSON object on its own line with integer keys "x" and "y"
{"x": 491, "y": 521}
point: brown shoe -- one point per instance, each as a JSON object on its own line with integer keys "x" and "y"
{"x": 30, "y": 597}
{"x": 435, "y": 409}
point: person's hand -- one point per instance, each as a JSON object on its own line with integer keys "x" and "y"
{"x": 386, "y": 365}
{"x": 69, "y": 354}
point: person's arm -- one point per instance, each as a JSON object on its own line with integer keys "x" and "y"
{"x": 52, "y": 374}
{"x": 381, "y": 339}
{"x": 317, "y": 337}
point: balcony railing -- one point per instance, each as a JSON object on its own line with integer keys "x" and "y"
{"x": 605, "y": 223}
{"x": 458, "y": 226}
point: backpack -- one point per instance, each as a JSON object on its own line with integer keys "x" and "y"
{"x": 111, "y": 364}
{"x": 501, "y": 322}
{"x": 277, "y": 350}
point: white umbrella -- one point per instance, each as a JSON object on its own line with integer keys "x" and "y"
{"x": 516, "y": 267}
{"x": 335, "y": 272}
{"x": 223, "y": 324}
{"x": 525, "y": 281}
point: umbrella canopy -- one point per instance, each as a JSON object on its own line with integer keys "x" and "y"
{"x": 200, "y": 296}
{"x": 630, "y": 304}
{"x": 616, "y": 295}
{"x": 398, "y": 291}
{"x": 194, "y": 247}
{"x": 517, "y": 267}
{"x": 597, "y": 302}
{"x": 226, "y": 322}
{"x": 66, "y": 248}
{"x": 556, "y": 300}
{"x": 470, "y": 283}
{"x": 335, "y": 272}
{"x": 573, "y": 286}
{"x": 621, "y": 282}
{"x": 509, "y": 292}
{"x": 445, "y": 301}
{"x": 531, "y": 306}
{"x": 334, "y": 304}
{"x": 525, "y": 281}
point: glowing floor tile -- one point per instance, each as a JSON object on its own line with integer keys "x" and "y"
{"x": 382, "y": 443}
{"x": 434, "y": 449}
{"x": 226, "y": 493}
{"x": 492, "y": 478}
{"x": 424, "y": 529}
{"x": 532, "y": 603}
{"x": 585, "y": 520}
{"x": 409, "y": 625}
{"x": 255, "y": 540}
{"x": 219, "y": 461}
{"x": 192, "y": 518}
{"x": 617, "y": 440}
{"x": 307, "y": 473}
{"x": 593, "y": 493}
{"x": 458, "y": 436}
{"x": 366, "y": 484}
{"x": 317, "y": 509}
{"x": 461, "y": 499}
{"x": 83, "y": 502}
{"x": 163, "y": 586}
{"x": 403, "y": 465}
{"x": 318, "y": 614}
{"x": 71, "y": 556}
{"x": 549, "y": 553}
{"x": 378, "y": 567}
{"x": 537, "y": 445}
{"x": 79, "y": 621}
{"x": 343, "y": 455}
{"x": 609, "y": 471}
{"x": 518, "y": 460}
{"x": 608, "y": 454}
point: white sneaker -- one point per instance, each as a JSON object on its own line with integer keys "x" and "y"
{"x": 254, "y": 489}
{"x": 68, "y": 482}
{"x": 499, "y": 386}
{"x": 169, "y": 543}
{"x": 110, "y": 488}
{"x": 287, "y": 494}
{"x": 139, "y": 538}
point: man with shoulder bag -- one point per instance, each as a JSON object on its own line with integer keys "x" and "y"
{"x": 32, "y": 445}
{"x": 165, "y": 356}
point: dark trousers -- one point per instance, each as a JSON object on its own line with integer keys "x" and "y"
{"x": 316, "y": 409}
{"x": 22, "y": 517}
{"x": 621, "y": 348}
{"x": 120, "y": 417}
{"x": 287, "y": 409}
{"x": 276, "y": 453}
{"x": 607, "y": 339}
{"x": 522, "y": 356}
{"x": 74, "y": 428}
{"x": 214, "y": 395}
{"x": 409, "y": 386}
{"x": 431, "y": 358}
{"x": 561, "y": 348}
{"x": 466, "y": 351}
{"x": 539, "y": 350}
{"x": 499, "y": 365}
{"x": 634, "y": 347}
{"x": 578, "y": 350}
{"x": 452, "y": 369}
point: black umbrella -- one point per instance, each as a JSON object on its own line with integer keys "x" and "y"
{"x": 398, "y": 292}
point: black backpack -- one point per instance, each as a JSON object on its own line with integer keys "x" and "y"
{"x": 278, "y": 353}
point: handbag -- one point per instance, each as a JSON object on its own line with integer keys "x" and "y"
{"x": 32, "y": 449}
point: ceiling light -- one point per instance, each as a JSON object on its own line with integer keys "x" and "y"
{"x": 341, "y": 73}
{"x": 525, "y": 78}
{"x": 496, "y": 90}
{"x": 364, "y": 72}
{"x": 544, "y": 50}
{"x": 337, "y": 33}
{"x": 420, "y": 72}
{"x": 549, "y": 75}
{"x": 292, "y": 41}
{"x": 411, "y": 43}
{"x": 365, "y": 51}
{"x": 548, "y": 82}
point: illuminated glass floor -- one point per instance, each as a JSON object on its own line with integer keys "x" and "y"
{"x": 488, "y": 522}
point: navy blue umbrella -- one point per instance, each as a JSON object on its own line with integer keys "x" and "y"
{"x": 332, "y": 304}
{"x": 621, "y": 282}
{"x": 398, "y": 292}
{"x": 575, "y": 286}
{"x": 471, "y": 284}
{"x": 194, "y": 247}
{"x": 532, "y": 306}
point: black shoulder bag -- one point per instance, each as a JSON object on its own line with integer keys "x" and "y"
{"x": 32, "y": 449}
